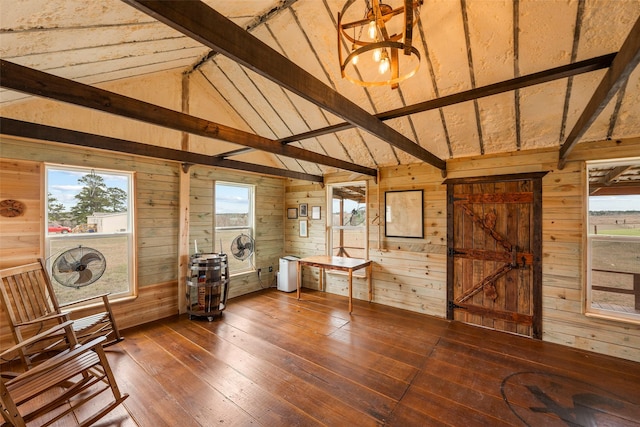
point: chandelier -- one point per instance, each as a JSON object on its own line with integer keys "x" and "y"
{"x": 375, "y": 48}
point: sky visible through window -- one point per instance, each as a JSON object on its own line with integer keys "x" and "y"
{"x": 615, "y": 203}
{"x": 231, "y": 199}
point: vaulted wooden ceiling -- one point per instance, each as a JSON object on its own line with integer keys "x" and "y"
{"x": 495, "y": 76}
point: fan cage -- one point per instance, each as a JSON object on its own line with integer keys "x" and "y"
{"x": 78, "y": 267}
{"x": 242, "y": 247}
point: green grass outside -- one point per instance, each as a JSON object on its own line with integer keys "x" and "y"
{"x": 621, "y": 232}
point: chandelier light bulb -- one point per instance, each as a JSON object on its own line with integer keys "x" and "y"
{"x": 386, "y": 33}
{"x": 384, "y": 65}
{"x": 372, "y": 30}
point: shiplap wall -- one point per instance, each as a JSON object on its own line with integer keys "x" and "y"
{"x": 21, "y": 236}
{"x": 411, "y": 273}
{"x": 156, "y": 184}
{"x": 157, "y": 200}
{"x": 269, "y": 223}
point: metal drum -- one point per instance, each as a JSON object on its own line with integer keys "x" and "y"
{"x": 206, "y": 285}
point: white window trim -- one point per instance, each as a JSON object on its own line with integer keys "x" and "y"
{"x": 132, "y": 293}
{"x": 589, "y": 310}
{"x": 251, "y": 269}
{"x": 329, "y": 220}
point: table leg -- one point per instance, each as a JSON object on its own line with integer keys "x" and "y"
{"x": 369, "y": 274}
{"x": 299, "y": 278}
{"x": 321, "y": 278}
{"x": 350, "y": 289}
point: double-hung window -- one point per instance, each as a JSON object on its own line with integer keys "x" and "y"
{"x": 89, "y": 240}
{"x": 234, "y": 206}
{"x": 613, "y": 272}
{"x": 348, "y": 219}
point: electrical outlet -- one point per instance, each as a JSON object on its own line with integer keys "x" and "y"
{"x": 271, "y": 269}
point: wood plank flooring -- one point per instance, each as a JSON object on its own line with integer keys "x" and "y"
{"x": 275, "y": 361}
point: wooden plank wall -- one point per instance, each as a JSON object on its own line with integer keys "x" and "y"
{"x": 156, "y": 208}
{"x": 21, "y": 236}
{"x": 411, "y": 273}
{"x": 408, "y": 273}
{"x": 157, "y": 186}
{"x": 269, "y": 222}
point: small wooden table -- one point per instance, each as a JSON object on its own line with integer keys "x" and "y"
{"x": 336, "y": 263}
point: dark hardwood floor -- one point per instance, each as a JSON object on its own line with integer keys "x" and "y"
{"x": 274, "y": 361}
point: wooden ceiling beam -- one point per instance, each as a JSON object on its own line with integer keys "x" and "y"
{"x": 629, "y": 188}
{"x": 614, "y": 174}
{"x": 545, "y": 76}
{"x": 622, "y": 66}
{"x": 34, "y": 82}
{"x": 200, "y": 22}
{"x": 22, "y": 129}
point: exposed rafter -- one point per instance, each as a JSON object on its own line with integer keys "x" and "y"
{"x": 24, "y": 129}
{"x": 198, "y": 21}
{"x": 35, "y": 82}
{"x": 622, "y": 66}
{"x": 552, "y": 74}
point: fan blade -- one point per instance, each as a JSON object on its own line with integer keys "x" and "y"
{"x": 85, "y": 276}
{"x": 87, "y": 258}
{"x": 65, "y": 266}
{"x": 248, "y": 246}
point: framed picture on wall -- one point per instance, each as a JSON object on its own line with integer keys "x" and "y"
{"x": 303, "y": 209}
{"x": 315, "y": 212}
{"x": 404, "y": 214}
{"x": 304, "y": 231}
{"x": 292, "y": 213}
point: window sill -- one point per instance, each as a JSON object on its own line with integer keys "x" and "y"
{"x": 99, "y": 304}
{"x": 633, "y": 319}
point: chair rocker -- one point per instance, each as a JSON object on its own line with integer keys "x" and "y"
{"x": 58, "y": 386}
{"x": 31, "y": 304}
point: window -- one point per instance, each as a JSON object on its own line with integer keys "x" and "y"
{"x": 89, "y": 209}
{"x": 234, "y": 204}
{"x": 348, "y": 219}
{"x": 613, "y": 273}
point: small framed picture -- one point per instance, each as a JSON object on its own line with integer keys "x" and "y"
{"x": 304, "y": 231}
{"x": 292, "y": 213}
{"x": 303, "y": 209}
{"x": 315, "y": 212}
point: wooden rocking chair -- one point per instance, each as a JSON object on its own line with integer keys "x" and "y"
{"x": 58, "y": 386}
{"x": 31, "y": 304}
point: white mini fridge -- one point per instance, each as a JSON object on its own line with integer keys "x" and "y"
{"x": 288, "y": 274}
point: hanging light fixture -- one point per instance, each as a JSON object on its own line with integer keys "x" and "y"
{"x": 384, "y": 34}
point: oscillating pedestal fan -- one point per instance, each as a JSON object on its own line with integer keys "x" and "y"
{"x": 78, "y": 267}
{"x": 242, "y": 247}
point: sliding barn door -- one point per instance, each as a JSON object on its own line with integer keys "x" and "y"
{"x": 494, "y": 247}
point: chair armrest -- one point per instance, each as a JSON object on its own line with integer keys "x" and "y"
{"x": 85, "y": 299}
{"x": 60, "y": 359}
{"x": 62, "y": 315}
{"x": 42, "y": 335}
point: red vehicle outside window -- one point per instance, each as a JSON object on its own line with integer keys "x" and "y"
{"x": 59, "y": 229}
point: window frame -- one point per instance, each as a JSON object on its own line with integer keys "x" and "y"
{"x": 131, "y": 247}
{"x": 364, "y": 228}
{"x": 589, "y": 309}
{"x": 250, "y": 268}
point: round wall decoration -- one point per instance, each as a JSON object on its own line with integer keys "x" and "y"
{"x": 11, "y": 208}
